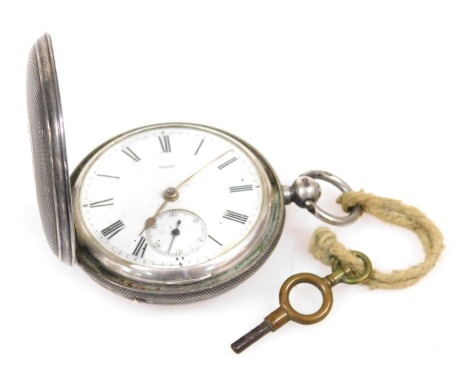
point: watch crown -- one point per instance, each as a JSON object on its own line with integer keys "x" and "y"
{"x": 302, "y": 190}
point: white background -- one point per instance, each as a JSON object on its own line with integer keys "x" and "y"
{"x": 376, "y": 92}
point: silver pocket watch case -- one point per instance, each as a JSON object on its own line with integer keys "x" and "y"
{"x": 55, "y": 198}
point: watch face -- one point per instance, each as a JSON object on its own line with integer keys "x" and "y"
{"x": 172, "y": 204}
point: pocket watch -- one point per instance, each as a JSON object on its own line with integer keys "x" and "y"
{"x": 166, "y": 213}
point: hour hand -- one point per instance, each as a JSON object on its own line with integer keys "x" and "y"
{"x": 169, "y": 195}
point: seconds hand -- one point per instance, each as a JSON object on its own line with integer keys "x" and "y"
{"x": 171, "y": 193}
{"x": 175, "y": 232}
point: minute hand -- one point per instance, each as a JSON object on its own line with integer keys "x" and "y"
{"x": 201, "y": 169}
{"x": 151, "y": 220}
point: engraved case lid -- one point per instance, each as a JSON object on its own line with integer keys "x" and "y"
{"x": 49, "y": 151}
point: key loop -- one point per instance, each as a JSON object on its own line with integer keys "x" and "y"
{"x": 352, "y": 277}
{"x": 314, "y": 280}
{"x": 340, "y": 274}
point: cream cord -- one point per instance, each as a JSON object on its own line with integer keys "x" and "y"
{"x": 325, "y": 246}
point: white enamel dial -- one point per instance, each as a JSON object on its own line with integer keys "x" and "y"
{"x": 171, "y": 197}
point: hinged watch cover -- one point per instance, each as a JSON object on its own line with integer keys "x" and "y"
{"x": 49, "y": 151}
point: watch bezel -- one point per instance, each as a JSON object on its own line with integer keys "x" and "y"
{"x": 185, "y": 281}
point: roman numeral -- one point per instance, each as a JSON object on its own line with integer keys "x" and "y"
{"x": 165, "y": 143}
{"x": 241, "y": 188}
{"x": 227, "y": 163}
{"x": 102, "y": 203}
{"x": 199, "y": 147}
{"x": 130, "y": 153}
{"x": 234, "y": 216}
{"x": 113, "y": 229}
{"x": 139, "y": 250}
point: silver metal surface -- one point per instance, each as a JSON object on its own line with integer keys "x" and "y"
{"x": 172, "y": 285}
{"x": 305, "y": 194}
{"x": 49, "y": 150}
{"x": 151, "y": 294}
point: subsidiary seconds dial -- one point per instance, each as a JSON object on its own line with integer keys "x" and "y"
{"x": 177, "y": 233}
